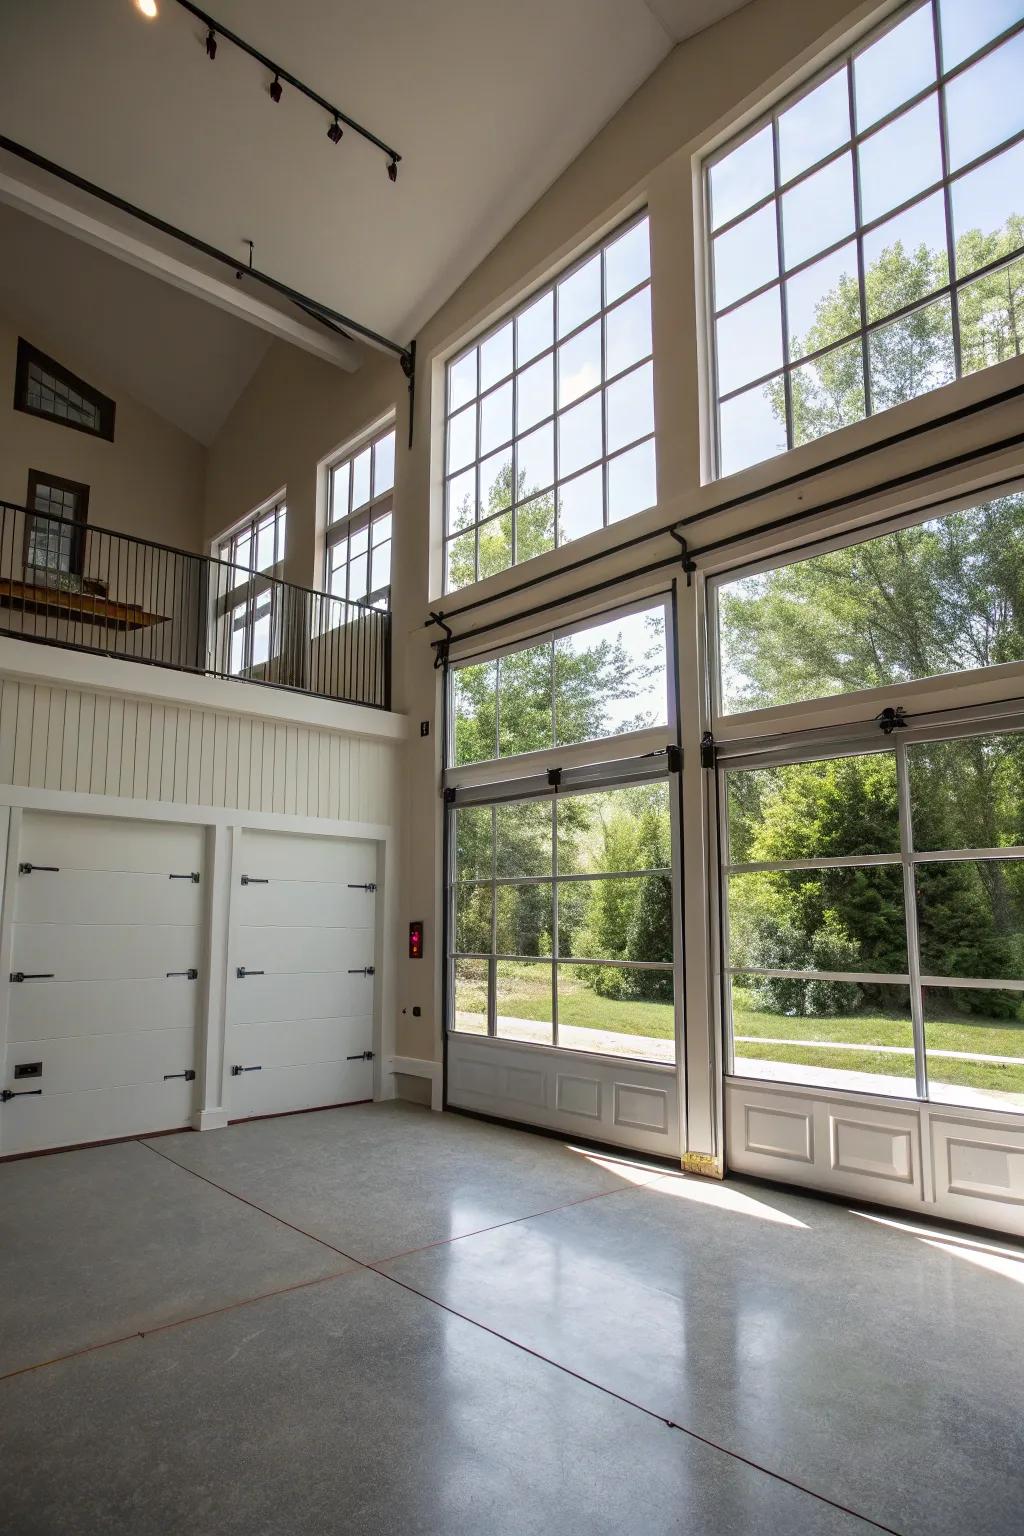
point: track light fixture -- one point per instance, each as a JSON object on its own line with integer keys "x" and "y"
{"x": 335, "y": 132}
{"x": 392, "y": 169}
{"x": 211, "y": 44}
{"x": 276, "y": 89}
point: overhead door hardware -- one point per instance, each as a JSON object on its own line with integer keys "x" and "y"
{"x": 26, "y": 1093}
{"x": 191, "y": 973}
{"x": 255, "y": 880}
{"x": 361, "y": 1056}
{"x": 28, "y": 869}
{"x": 31, "y": 975}
{"x": 28, "y": 1069}
{"x": 369, "y": 886}
{"x": 194, "y": 877}
{"x": 362, "y": 970}
{"x": 188, "y": 1075}
{"x": 237, "y": 1071}
{"x": 242, "y": 973}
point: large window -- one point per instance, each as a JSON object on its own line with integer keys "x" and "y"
{"x": 867, "y": 239}
{"x": 873, "y": 912}
{"x": 249, "y": 606}
{"x": 549, "y": 418}
{"x": 360, "y": 504}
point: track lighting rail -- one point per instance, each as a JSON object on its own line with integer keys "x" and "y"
{"x": 337, "y": 116}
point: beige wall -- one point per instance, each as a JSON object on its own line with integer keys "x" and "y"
{"x": 148, "y": 481}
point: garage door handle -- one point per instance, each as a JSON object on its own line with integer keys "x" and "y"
{"x": 363, "y": 970}
{"x": 50, "y": 869}
{"x": 191, "y": 973}
{"x": 236, "y": 1071}
{"x": 31, "y": 975}
{"x": 369, "y": 886}
{"x": 26, "y": 1093}
{"x": 361, "y": 1056}
{"x": 193, "y": 876}
{"x": 242, "y": 973}
{"x": 189, "y": 1076}
{"x": 255, "y": 880}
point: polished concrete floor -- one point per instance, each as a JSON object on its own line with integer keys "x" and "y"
{"x": 377, "y": 1319}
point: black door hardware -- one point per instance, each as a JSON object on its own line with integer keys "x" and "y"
{"x": 191, "y": 973}
{"x": 26, "y": 1093}
{"x": 242, "y": 973}
{"x": 361, "y": 1056}
{"x": 236, "y": 1071}
{"x": 194, "y": 877}
{"x": 363, "y": 970}
{"x": 369, "y": 886}
{"x": 28, "y": 1069}
{"x": 255, "y": 880}
{"x": 31, "y": 975}
{"x": 189, "y": 1076}
{"x": 50, "y": 869}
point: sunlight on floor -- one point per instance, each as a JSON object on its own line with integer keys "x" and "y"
{"x": 690, "y": 1187}
{"x": 1008, "y": 1262}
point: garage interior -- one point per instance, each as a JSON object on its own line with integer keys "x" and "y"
{"x": 512, "y": 767}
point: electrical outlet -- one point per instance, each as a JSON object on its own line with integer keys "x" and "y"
{"x": 424, "y": 727}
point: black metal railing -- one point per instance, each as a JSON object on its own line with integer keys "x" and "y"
{"x": 72, "y": 584}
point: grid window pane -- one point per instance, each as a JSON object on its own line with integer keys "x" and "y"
{"x": 974, "y": 1046}
{"x": 880, "y": 179}
{"x": 358, "y": 555}
{"x": 632, "y": 482}
{"x": 538, "y": 407}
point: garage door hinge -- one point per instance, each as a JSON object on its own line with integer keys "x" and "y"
{"x": 237, "y": 1071}
{"x": 255, "y": 880}
{"x": 242, "y": 973}
{"x": 369, "y": 886}
{"x": 31, "y": 975}
{"x": 362, "y": 970}
{"x": 193, "y": 876}
{"x": 189, "y": 1076}
{"x": 28, "y": 869}
{"x": 361, "y": 1056}
{"x": 25, "y": 1093}
{"x": 191, "y": 973}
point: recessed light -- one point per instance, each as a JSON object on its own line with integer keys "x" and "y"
{"x": 147, "y": 7}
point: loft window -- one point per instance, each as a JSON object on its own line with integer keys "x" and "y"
{"x": 549, "y": 417}
{"x": 43, "y": 387}
{"x": 866, "y": 238}
{"x": 250, "y": 605}
{"x": 55, "y": 525}
{"x": 360, "y": 505}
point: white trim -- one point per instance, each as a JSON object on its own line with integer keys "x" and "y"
{"x": 416, "y": 1066}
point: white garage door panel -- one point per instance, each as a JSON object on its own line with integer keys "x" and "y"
{"x": 277, "y": 1090}
{"x": 305, "y": 904}
{"x": 108, "y": 1061}
{"x": 98, "y": 951}
{"x": 109, "y": 896}
{"x": 51, "y": 1010}
{"x": 300, "y": 1042}
{"x": 106, "y": 842}
{"x": 299, "y": 950}
{"x": 273, "y": 855}
{"x": 66, "y": 1119}
{"x": 271, "y": 999}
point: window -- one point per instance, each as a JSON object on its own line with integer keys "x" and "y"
{"x": 549, "y": 419}
{"x": 867, "y": 239}
{"x": 937, "y": 597}
{"x": 56, "y": 547}
{"x": 250, "y": 606}
{"x": 43, "y": 387}
{"x": 360, "y": 505}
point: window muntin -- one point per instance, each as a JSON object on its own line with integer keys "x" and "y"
{"x": 44, "y": 387}
{"x": 360, "y": 511}
{"x": 939, "y": 596}
{"x": 250, "y": 606}
{"x": 57, "y": 548}
{"x": 549, "y": 419}
{"x": 826, "y": 981}
{"x": 604, "y": 679}
{"x": 563, "y": 932}
{"x": 864, "y": 247}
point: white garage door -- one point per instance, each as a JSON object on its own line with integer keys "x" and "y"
{"x": 104, "y": 994}
{"x": 300, "y": 1030}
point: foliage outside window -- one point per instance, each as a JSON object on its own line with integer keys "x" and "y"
{"x": 359, "y": 525}
{"x": 867, "y": 240}
{"x": 549, "y": 418}
{"x": 250, "y": 607}
{"x": 943, "y": 596}
{"x": 562, "y": 921}
{"x": 571, "y": 686}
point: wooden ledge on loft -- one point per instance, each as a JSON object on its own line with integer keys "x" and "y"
{"x": 84, "y": 607}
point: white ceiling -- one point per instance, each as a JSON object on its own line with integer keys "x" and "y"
{"x": 487, "y": 101}
{"x": 183, "y": 358}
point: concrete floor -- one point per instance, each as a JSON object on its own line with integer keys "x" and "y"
{"x": 381, "y": 1320}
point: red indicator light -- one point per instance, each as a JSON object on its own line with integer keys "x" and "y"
{"x": 416, "y": 941}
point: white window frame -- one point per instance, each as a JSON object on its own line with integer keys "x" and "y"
{"x": 241, "y": 607}
{"x": 599, "y": 391}
{"x": 844, "y": 61}
{"x": 341, "y": 525}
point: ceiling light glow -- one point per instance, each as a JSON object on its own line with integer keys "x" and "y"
{"x": 147, "y": 8}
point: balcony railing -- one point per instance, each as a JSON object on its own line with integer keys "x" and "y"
{"x": 72, "y": 584}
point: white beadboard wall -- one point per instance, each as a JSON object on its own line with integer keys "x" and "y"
{"x": 102, "y": 744}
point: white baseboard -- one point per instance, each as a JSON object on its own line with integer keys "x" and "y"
{"x": 416, "y": 1066}
{"x": 209, "y": 1119}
